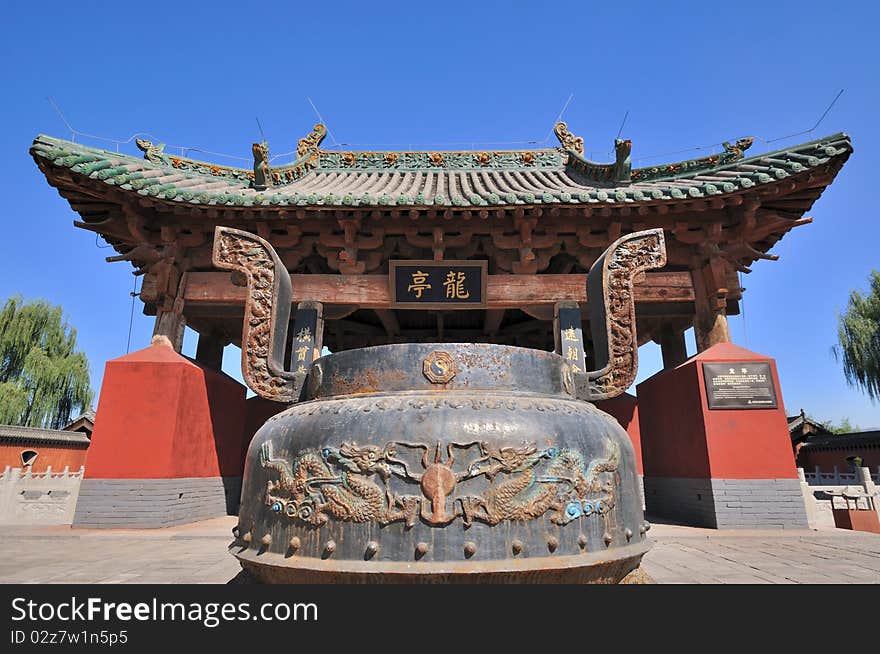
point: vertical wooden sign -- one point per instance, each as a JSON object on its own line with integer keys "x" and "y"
{"x": 308, "y": 336}
{"x": 569, "y": 336}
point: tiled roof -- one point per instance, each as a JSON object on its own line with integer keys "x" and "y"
{"x": 423, "y": 179}
{"x": 837, "y": 441}
{"x": 31, "y": 435}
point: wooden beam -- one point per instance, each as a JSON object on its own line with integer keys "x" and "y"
{"x": 388, "y": 318}
{"x": 493, "y": 321}
{"x": 372, "y": 292}
{"x": 209, "y": 350}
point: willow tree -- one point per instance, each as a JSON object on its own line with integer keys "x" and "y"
{"x": 858, "y": 336}
{"x": 43, "y": 378}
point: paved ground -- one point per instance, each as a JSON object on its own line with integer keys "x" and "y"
{"x": 196, "y": 553}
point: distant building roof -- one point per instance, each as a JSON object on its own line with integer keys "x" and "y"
{"x": 84, "y": 423}
{"x": 840, "y": 441}
{"x": 803, "y": 428}
{"x": 32, "y": 436}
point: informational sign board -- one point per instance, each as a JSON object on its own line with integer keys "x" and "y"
{"x": 739, "y": 385}
{"x": 438, "y": 284}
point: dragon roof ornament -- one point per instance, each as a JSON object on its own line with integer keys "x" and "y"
{"x": 568, "y": 140}
{"x": 309, "y": 144}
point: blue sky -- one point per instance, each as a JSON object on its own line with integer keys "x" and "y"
{"x": 429, "y": 74}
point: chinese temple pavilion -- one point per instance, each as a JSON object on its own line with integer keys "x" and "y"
{"x": 535, "y": 220}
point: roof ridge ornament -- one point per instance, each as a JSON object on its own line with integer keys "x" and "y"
{"x": 309, "y": 144}
{"x": 152, "y": 153}
{"x": 623, "y": 161}
{"x": 732, "y": 152}
{"x": 740, "y": 146}
{"x": 262, "y": 177}
{"x": 568, "y": 140}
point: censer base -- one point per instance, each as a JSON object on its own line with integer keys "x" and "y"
{"x": 612, "y": 567}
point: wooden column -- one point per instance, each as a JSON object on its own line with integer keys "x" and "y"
{"x": 170, "y": 321}
{"x": 710, "y": 300}
{"x": 672, "y": 346}
{"x": 171, "y": 324}
{"x": 209, "y": 351}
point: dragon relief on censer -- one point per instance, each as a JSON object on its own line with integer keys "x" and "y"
{"x": 353, "y": 483}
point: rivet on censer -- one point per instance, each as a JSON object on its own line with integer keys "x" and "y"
{"x": 267, "y": 540}
{"x": 372, "y": 548}
{"x": 607, "y": 538}
{"x": 470, "y": 548}
{"x": 247, "y": 537}
{"x": 628, "y": 533}
{"x": 294, "y": 543}
{"x": 552, "y": 543}
{"x": 330, "y": 547}
{"x": 421, "y": 549}
{"x": 582, "y": 541}
{"x": 516, "y": 546}
{"x": 236, "y": 531}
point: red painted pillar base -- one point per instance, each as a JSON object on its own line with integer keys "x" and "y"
{"x": 720, "y": 468}
{"x": 257, "y": 411}
{"x": 625, "y": 410}
{"x": 167, "y": 445}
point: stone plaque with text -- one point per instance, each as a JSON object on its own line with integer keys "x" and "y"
{"x": 743, "y": 385}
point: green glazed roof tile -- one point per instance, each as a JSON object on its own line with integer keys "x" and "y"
{"x": 431, "y": 179}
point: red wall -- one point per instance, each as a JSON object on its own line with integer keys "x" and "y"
{"x": 257, "y": 411}
{"x": 160, "y": 415}
{"x": 671, "y": 424}
{"x": 55, "y": 455}
{"x": 827, "y": 459}
{"x": 626, "y": 410}
{"x": 682, "y": 437}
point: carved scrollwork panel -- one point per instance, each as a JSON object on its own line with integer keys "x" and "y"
{"x": 613, "y": 312}
{"x": 266, "y": 312}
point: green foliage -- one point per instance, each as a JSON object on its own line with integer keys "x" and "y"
{"x": 858, "y": 335}
{"x": 43, "y": 379}
{"x": 844, "y": 427}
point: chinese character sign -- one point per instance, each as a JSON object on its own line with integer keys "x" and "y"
{"x": 307, "y": 332}
{"x": 438, "y": 284}
{"x": 569, "y": 337}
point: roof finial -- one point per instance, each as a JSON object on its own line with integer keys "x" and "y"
{"x": 568, "y": 140}
{"x": 152, "y": 153}
{"x": 737, "y": 149}
{"x": 623, "y": 162}
{"x": 309, "y": 144}
{"x": 261, "y": 165}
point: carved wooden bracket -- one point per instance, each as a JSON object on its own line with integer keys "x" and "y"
{"x": 266, "y": 312}
{"x": 613, "y": 314}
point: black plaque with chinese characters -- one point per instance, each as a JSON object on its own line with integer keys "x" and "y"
{"x": 569, "y": 335}
{"x": 743, "y": 385}
{"x": 308, "y": 331}
{"x": 438, "y": 284}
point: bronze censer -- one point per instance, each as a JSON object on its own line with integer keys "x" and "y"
{"x": 440, "y": 462}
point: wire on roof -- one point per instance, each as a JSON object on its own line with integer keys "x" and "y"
{"x": 185, "y": 150}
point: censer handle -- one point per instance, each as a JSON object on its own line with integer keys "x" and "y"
{"x": 613, "y": 313}
{"x": 266, "y": 312}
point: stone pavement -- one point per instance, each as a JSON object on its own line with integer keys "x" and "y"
{"x": 196, "y": 553}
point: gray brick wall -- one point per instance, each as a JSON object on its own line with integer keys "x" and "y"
{"x": 759, "y": 503}
{"x": 680, "y": 499}
{"x": 727, "y": 503}
{"x": 155, "y": 502}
